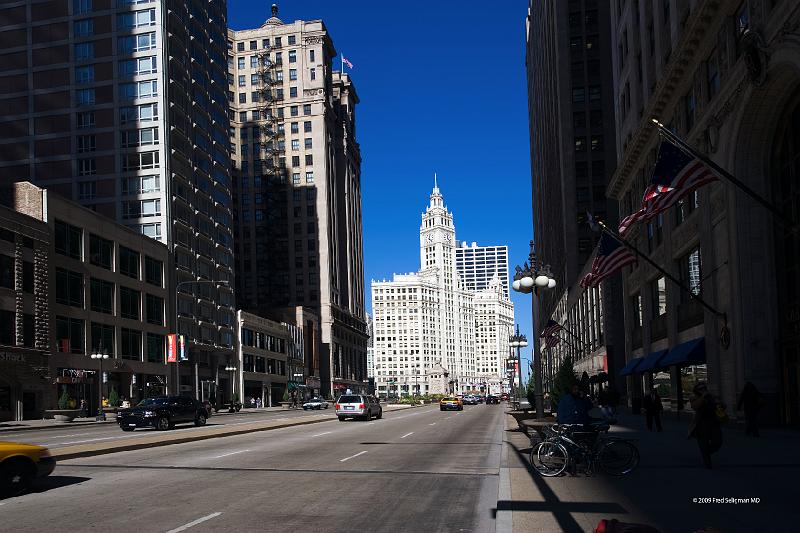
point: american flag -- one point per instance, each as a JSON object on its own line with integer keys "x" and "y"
{"x": 611, "y": 256}
{"x": 675, "y": 175}
{"x": 551, "y": 341}
{"x": 552, "y": 328}
{"x": 345, "y": 61}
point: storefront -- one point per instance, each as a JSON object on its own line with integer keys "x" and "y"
{"x": 23, "y": 388}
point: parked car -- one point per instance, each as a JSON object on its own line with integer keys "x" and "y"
{"x": 162, "y": 413}
{"x": 492, "y": 400}
{"x": 316, "y": 403}
{"x": 20, "y": 464}
{"x": 450, "y": 403}
{"x": 470, "y": 400}
{"x": 358, "y": 406}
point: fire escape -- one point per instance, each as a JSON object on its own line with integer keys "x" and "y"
{"x": 272, "y": 230}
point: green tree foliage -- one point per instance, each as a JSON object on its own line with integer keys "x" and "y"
{"x": 565, "y": 378}
{"x": 113, "y": 398}
{"x": 63, "y": 401}
{"x": 530, "y": 392}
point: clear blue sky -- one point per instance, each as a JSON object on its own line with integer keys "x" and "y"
{"x": 443, "y": 88}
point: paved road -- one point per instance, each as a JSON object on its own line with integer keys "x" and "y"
{"x": 414, "y": 470}
{"x": 64, "y": 435}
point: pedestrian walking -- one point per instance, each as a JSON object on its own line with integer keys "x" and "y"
{"x": 83, "y": 408}
{"x": 604, "y": 403}
{"x": 652, "y": 410}
{"x": 705, "y": 426}
{"x": 252, "y": 401}
{"x": 750, "y": 401}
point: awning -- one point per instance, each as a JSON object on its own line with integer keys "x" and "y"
{"x": 652, "y": 362}
{"x": 692, "y": 352}
{"x": 629, "y": 368}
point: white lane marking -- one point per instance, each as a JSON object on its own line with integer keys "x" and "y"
{"x": 93, "y": 440}
{"x": 432, "y": 424}
{"x": 356, "y": 455}
{"x": 231, "y": 453}
{"x": 323, "y": 433}
{"x": 406, "y": 435}
{"x": 194, "y": 523}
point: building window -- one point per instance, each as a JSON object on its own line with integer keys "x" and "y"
{"x": 307, "y": 126}
{"x": 155, "y": 347}
{"x": 102, "y": 296}
{"x": 306, "y": 109}
{"x": 136, "y": 43}
{"x": 136, "y": 19}
{"x": 141, "y": 184}
{"x": 309, "y": 177}
{"x": 311, "y": 56}
{"x": 69, "y": 288}
{"x": 155, "y": 310}
{"x": 129, "y": 262}
{"x": 102, "y": 335}
{"x": 242, "y": 98}
{"x": 253, "y": 45}
{"x": 86, "y": 143}
{"x": 292, "y": 74}
{"x": 597, "y": 143}
{"x": 151, "y": 230}
{"x": 87, "y": 190}
{"x": 140, "y": 161}
{"x": 129, "y": 303}
{"x": 308, "y": 143}
{"x": 69, "y": 335}
{"x": 690, "y": 269}
{"x": 153, "y": 271}
{"x": 101, "y": 251}
{"x": 312, "y": 74}
{"x": 309, "y": 159}
{"x": 84, "y": 74}
{"x": 130, "y": 345}
{"x": 240, "y": 47}
{"x": 578, "y": 95}
{"x": 658, "y": 297}
{"x": 68, "y": 239}
{"x": 84, "y": 119}
{"x": 141, "y": 208}
{"x": 292, "y": 92}
{"x": 580, "y": 144}
{"x": 84, "y": 51}
{"x": 84, "y": 97}
{"x": 240, "y": 62}
{"x": 242, "y": 80}
{"x": 292, "y": 56}
{"x": 253, "y": 61}
{"x": 83, "y": 28}
{"x": 87, "y": 167}
{"x": 6, "y": 272}
{"x": 291, "y": 39}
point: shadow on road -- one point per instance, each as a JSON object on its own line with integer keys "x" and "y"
{"x": 55, "y": 482}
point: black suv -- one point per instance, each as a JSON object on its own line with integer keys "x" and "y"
{"x": 162, "y": 413}
{"x": 492, "y": 399}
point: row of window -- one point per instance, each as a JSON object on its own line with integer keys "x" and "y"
{"x": 264, "y": 365}
{"x": 265, "y": 43}
{"x": 71, "y": 335}
{"x": 263, "y": 341}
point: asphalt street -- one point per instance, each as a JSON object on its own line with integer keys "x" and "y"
{"x": 418, "y": 470}
{"x": 65, "y": 435}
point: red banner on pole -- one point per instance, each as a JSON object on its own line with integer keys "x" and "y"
{"x": 172, "y": 349}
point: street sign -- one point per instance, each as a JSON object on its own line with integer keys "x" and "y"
{"x": 172, "y": 353}
{"x": 182, "y": 355}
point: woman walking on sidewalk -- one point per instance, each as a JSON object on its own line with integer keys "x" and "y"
{"x": 705, "y": 424}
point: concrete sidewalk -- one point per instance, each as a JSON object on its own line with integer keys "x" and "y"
{"x": 668, "y": 488}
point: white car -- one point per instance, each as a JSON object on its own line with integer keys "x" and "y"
{"x": 315, "y": 403}
{"x": 358, "y": 406}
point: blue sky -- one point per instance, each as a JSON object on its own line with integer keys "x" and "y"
{"x": 443, "y": 89}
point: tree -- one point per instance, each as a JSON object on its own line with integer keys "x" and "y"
{"x": 113, "y": 398}
{"x": 63, "y": 402}
{"x": 565, "y": 378}
{"x": 530, "y": 393}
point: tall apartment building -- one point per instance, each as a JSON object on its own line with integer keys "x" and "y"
{"x": 426, "y": 324}
{"x": 297, "y": 187}
{"x": 724, "y": 76}
{"x": 121, "y": 106}
{"x": 572, "y": 159}
{"x": 478, "y": 265}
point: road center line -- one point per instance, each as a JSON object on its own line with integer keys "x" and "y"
{"x": 232, "y": 453}
{"x": 194, "y": 523}
{"x": 433, "y": 424}
{"x": 321, "y": 434}
{"x": 406, "y": 435}
{"x": 356, "y": 455}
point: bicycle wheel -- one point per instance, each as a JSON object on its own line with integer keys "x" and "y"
{"x": 549, "y": 458}
{"x": 618, "y": 457}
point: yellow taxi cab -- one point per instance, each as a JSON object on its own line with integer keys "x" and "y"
{"x": 20, "y": 464}
{"x": 451, "y": 402}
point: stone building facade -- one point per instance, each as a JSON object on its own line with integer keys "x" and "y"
{"x": 725, "y": 76}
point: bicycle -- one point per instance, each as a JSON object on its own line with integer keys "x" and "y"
{"x": 568, "y": 446}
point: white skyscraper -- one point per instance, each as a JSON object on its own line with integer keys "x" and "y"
{"x": 478, "y": 265}
{"x": 425, "y": 321}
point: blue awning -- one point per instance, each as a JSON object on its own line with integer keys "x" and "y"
{"x": 652, "y": 362}
{"x": 628, "y": 369}
{"x": 692, "y": 352}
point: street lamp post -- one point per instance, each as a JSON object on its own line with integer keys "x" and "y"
{"x": 529, "y": 279}
{"x": 230, "y": 368}
{"x": 518, "y": 341}
{"x": 100, "y": 355}
{"x": 224, "y": 283}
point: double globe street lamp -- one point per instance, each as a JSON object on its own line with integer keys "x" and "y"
{"x": 518, "y": 341}
{"x": 530, "y": 279}
{"x": 230, "y": 368}
{"x": 100, "y": 355}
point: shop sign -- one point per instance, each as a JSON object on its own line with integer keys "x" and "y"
{"x": 12, "y": 357}
{"x": 172, "y": 353}
{"x": 313, "y": 383}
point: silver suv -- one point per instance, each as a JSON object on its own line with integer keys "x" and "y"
{"x": 358, "y": 406}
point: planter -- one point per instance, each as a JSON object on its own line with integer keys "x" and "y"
{"x": 63, "y": 416}
{"x": 110, "y": 412}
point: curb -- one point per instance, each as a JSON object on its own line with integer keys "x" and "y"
{"x": 56, "y": 426}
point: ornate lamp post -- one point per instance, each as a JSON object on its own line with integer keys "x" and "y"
{"x": 230, "y": 368}
{"x": 518, "y": 341}
{"x": 530, "y": 279}
{"x": 100, "y": 355}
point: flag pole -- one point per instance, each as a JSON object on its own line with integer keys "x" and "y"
{"x": 667, "y": 275}
{"x": 725, "y": 174}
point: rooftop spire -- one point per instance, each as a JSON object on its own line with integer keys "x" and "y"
{"x": 274, "y": 10}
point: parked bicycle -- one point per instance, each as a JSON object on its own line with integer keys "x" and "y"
{"x": 585, "y": 446}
